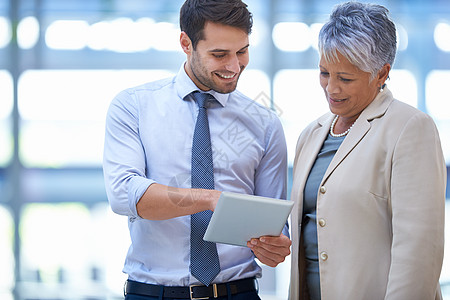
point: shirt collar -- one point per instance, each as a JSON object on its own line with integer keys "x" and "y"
{"x": 184, "y": 86}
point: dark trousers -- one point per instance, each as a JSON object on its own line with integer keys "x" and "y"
{"x": 241, "y": 296}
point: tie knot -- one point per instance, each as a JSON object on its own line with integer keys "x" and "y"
{"x": 202, "y": 98}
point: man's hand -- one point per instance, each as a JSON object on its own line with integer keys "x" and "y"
{"x": 271, "y": 250}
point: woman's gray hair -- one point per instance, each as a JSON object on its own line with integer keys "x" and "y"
{"x": 363, "y": 33}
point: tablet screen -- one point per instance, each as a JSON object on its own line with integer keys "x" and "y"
{"x": 239, "y": 217}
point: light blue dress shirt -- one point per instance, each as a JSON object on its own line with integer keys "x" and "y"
{"x": 148, "y": 139}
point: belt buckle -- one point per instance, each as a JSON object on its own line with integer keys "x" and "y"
{"x": 191, "y": 292}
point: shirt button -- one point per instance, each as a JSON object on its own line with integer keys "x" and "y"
{"x": 323, "y": 256}
{"x": 322, "y": 222}
{"x": 323, "y": 189}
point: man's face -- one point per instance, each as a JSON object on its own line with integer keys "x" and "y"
{"x": 219, "y": 58}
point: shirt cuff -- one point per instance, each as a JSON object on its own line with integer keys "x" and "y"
{"x": 137, "y": 187}
{"x": 286, "y": 230}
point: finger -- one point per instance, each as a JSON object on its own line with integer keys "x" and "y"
{"x": 276, "y": 254}
{"x": 282, "y": 240}
{"x": 270, "y": 261}
{"x": 283, "y": 250}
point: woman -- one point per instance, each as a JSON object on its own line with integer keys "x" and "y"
{"x": 369, "y": 177}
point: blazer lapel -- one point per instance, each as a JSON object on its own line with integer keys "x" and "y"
{"x": 308, "y": 154}
{"x": 315, "y": 144}
{"x": 304, "y": 161}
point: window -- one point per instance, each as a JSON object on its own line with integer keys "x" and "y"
{"x": 438, "y": 106}
{"x": 63, "y": 113}
{"x": 301, "y": 101}
{"x": 69, "y": 244}
{"x": 403, "y": 86}
{"x": 6, "y": 253}
{"x": 6, "y": 105}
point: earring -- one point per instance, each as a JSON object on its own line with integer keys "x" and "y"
{"x": 382, "y": 87}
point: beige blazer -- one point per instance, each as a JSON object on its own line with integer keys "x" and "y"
{"x": 380, "y": 206}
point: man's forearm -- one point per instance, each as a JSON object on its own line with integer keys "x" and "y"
{"x": 161, "y": 202}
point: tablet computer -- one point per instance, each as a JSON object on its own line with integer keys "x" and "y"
{"x": 239, "y": 217}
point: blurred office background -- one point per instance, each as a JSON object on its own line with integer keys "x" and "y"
{"x": 61, "y": 63}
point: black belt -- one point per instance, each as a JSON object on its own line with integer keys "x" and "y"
{"x": 191, "y": 292}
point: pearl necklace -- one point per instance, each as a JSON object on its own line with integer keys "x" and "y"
{"x": 339, "y": 134}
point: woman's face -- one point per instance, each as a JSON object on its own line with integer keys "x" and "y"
{"x": 348, "y": 89}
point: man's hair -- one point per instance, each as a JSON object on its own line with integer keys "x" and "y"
{"x": 363, "y": 33}
{"x": 195, "y": 13}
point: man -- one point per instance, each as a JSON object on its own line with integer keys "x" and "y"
{"x": 151, "y": 172}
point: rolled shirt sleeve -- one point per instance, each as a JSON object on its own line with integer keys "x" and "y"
{"x": 124, "y": 158}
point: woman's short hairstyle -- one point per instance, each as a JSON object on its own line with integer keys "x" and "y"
{"x": 363, "y": 33}
{"x": 195, "y": 13}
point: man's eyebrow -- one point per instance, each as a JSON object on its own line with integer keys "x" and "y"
{"x": 227, "y": 51}
{"x": 218, "y": 50}
{"x": 245, "y": 47}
